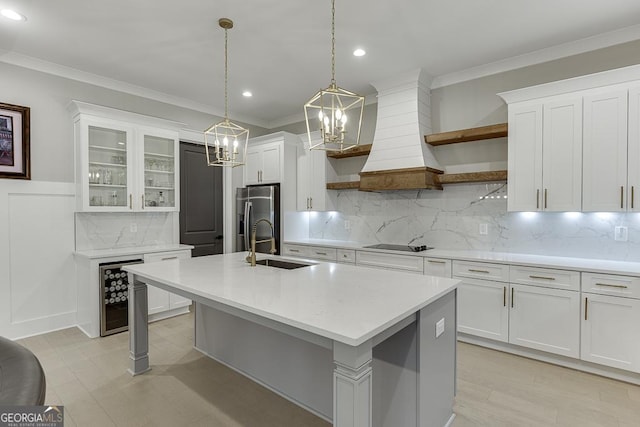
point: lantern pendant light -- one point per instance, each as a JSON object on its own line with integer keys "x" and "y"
{"x": 226, "y": 142}
{"x": 329, "y": 109}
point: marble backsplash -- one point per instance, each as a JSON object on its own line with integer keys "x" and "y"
{"x": 451, "y": 219}
{"x": 119, "y": 230}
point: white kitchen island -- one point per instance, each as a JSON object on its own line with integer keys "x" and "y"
{"x": 356, "y": 346}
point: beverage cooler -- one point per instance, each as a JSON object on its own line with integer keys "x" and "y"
{"x": 114, "y": 297}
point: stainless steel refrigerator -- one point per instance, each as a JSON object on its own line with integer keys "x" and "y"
{"x": 254, "y": 203}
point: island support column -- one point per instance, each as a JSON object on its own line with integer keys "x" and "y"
{"x": 352, "y": 386}
{"x": 138, "y": 327}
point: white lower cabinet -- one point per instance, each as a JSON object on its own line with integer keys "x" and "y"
{"x": 158, "y": 299}
{"x": 611, "y": 323}
{"x": 483, "y": 309}
{"x": 313, "y": 252}
{"x": 389, "y": 261}
{"x": 545, "y": 319}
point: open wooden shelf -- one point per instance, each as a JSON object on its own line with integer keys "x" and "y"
{"x": 360, "y": 150}
{"x": 345, "y": 185}
{"x": 458, "y": 178}
{"x": 467, "y": 135}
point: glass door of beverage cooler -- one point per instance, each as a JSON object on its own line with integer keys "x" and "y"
{"x": 114, "y": 297}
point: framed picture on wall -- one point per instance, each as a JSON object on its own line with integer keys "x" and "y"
{"x": 15, "y": 159}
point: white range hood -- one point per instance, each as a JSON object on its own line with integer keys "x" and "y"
{"x": 399, "y": 157}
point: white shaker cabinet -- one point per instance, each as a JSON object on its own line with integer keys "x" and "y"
{"x": 604, "y": 183}
{"x": 545, "y": 319}
{"x": 633, "y": 165}
{"x": 263, "y": 164}
{"x": 545, "y": 155}
{"x": 611, "y": 320}
{"x": 312, "y": 181}
{"x": 562, "y": 155}
{"x": 437, "y": 267}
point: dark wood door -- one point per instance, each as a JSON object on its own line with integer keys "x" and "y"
{"x": 200, "y": 201}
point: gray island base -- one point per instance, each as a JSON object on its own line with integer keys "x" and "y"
{"x": 356, "y": 346}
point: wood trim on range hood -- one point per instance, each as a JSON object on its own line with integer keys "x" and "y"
{"x": 400, "y": 179}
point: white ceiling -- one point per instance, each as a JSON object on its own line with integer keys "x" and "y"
{"x": 280, "y": 50}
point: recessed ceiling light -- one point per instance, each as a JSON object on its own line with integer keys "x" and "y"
{"x": 13, "y": 15}
{"x": 247, "y": 94}
{"x": 359, "y": 52}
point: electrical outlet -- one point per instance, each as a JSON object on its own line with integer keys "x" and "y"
{"x": 484, "y": 229}
{"x": 347, "y": 224}
{"x": 621, "y": 234}
{"x": 440, "y": 327}
{"x": 133, "y": 227}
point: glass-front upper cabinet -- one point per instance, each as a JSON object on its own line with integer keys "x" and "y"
{"x": 125, "y": 162}
{"x": 108, "y": 167}
{"x": 160, "y": 171}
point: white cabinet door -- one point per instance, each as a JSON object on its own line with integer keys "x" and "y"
{"x": 633, "y": 172}
{"x": 312, "y": 182}
{"x": 611, "y": 331}
{"x": 483, "y": 310}
{"x": 545, "y": 319}
{"x": 253, "y": 166}
{"x": 604, "y": 151}
{"x": 157, "y": 161}
{"x": 271, "y": 164}
{"x": 105, "y": 168}
{"x": 562, "y": 155}
{"x": 524, "y": 184}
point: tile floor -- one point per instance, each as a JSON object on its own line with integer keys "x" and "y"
{"x": 185, "y": 388}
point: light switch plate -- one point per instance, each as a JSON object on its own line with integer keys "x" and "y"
{"x": 621, "y": 234}
{"x": 484, "y": 229}
{"x": 439, "y": 327}
{"x": 133, "y": 227}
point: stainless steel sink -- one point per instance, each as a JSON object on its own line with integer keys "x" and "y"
{"x": 278, "y": 263}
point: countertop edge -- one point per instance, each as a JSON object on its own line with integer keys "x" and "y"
{"x": 130, "y": 250}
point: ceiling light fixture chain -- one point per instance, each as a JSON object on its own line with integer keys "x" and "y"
{"x": 332, "y": 106}
{"x": 226, "y": 142}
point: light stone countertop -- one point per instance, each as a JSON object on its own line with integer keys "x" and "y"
{"x": 341, "y": 302}
{"x": 593, "y": 265}
{"x": 130, "y": 250}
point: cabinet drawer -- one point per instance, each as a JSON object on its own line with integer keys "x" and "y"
{"x": 347, "y": 256}
{"x": 295, "y": 250}
{"x": 319, "y": 252}
{"x": 609, "y": 284}
{"x": 165, "y": 256}
{"x": 437, "y": 267}
{"x": 481, "y": 270}
{"x": 390, "y": 261}
{"x": 546, "y": 277}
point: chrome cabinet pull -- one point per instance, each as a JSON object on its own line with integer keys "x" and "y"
{"x": 478, "y": 271}
{"x": 621, "y": 197}
{"x": 170, "y": 257}
{"x": 437, "y": 262}
{"x": 586, "y": 307}
{"x": 538, "y": 198}
{"x": 542, "y": 277}
{"x": 612, "y": 286}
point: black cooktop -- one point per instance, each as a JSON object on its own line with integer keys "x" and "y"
{"x": 404, "y": 248}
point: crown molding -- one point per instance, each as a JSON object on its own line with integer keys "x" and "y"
{"x": 564, "y": 50}
{"x": 63, "y": 71}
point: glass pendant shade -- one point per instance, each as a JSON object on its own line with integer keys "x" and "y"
{"x": 225, "y": 143}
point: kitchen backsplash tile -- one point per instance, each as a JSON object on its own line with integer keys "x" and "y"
{"x": 451, "y": 219}
{"x": 114, "y": 230}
